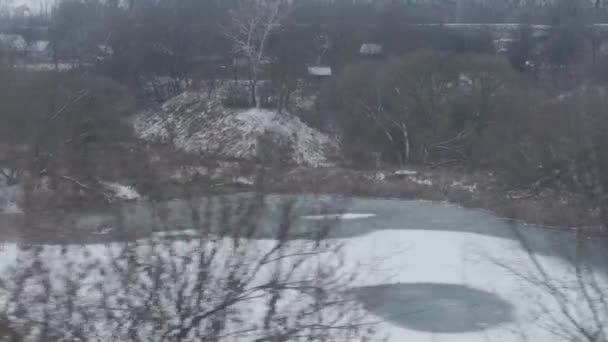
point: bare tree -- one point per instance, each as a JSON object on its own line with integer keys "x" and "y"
{"x": 252, "y": 23}
{"x": 572, "y": 306}
{"x": 224, "y": 279}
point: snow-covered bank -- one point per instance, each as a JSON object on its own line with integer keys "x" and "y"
{"x": 198, "y": 122}
{"x": 121, "y": 192}
{"x": 483, "y": 189}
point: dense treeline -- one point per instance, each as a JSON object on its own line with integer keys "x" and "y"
{"x": 141, "y": 39}
{"x": 434, "y": 96}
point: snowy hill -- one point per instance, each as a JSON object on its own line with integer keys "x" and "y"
{"x": 196, "y": 121}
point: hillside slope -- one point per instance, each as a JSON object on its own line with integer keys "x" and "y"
{"x": 196, "y": 121}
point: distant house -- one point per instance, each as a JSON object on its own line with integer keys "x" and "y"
{"x": 22, "y": 11}
{"x": 319, "y": 71}
{"x": 371, "y": 49}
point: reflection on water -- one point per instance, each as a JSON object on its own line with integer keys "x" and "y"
{"x": 439, "y": 308}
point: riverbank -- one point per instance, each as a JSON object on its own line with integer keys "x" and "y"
{"x": 551, "y": 207}
{"x": 162, "y": 180}
{"x": 472, "y": 189}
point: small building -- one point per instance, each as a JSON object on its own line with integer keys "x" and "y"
{"x": 371, "y": 49}
{"x": 320, "y": 71}
{"x": 22, "y": 11}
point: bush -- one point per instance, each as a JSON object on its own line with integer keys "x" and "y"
{"x": 427, "y": 107}
{"x": 274, "y": 149}
{"x": 237, "y": 96}
{"x": 61, "y": 121}
{"x": 267, "y": 96}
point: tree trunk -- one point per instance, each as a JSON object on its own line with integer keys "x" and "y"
{"x": 406, "y": 138}
{"x": 254, "y": 93}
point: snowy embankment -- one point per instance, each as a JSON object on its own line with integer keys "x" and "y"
{"x": 494, "y": 265}
{"x": 120, "y": 191}
{"x": 11, "y": 196}
{"x": 198, "y": 122}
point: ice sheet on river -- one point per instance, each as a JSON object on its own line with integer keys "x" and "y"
{"x": 497, "y": 304}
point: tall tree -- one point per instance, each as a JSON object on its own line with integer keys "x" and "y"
{"x": 251, "y": 25}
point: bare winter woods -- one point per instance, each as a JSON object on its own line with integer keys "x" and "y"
{"x": 156, "y": 102}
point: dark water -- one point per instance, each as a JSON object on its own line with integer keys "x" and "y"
{"x": 439, "y": 308}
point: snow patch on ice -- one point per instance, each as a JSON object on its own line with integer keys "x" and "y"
{"x": 177, "y": 233}
{"x": 248, "y": 181}
{"x": 345, "y": 216}
{"x": 421, "y": 181}
{"x": 379, "y": 176}
{"x": 121, "y": 191}
{"x": 405, "y": 173}
{"x": 400, "y": 257}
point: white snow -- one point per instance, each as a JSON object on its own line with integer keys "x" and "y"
{"x": 121, "y": 191}
{"x": 405, "y": 173}
{"x": 371, "y": 49}
{"x": 379, "y": 176}
{"x": 345, "y": 216}
{"x": 177, "y": 233}
{"x": 421, "y": 181}
{"x": 402, "y": 256}
{"x": 393, "y": 256}
{"x": 321, "y": 71}
{"x": 248, "y": 181}
{"x": 475, "y": 261}
{"x": 48, "y": 66}
{"x": 464, "y": 186}
{"x": 196, "y": 122}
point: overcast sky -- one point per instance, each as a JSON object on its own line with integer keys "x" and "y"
{"x": 33, "y": 4}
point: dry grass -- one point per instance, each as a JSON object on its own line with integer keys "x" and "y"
{"x": 472, "y": 189}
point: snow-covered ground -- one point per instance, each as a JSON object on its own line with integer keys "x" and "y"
{"x": 120, "y": 191}
{"x": 195, "y": 121}
{"x": 454, "y": 258}
{"x": 477, "y": 262}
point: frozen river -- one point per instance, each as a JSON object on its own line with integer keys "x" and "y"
{"x": 428, "y": 271}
